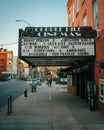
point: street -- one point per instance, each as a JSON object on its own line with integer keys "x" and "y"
{"x": 14, "y": 88}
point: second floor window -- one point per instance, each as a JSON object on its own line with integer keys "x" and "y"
{"x": 85, "y": 20}
{"x": 77, "y": 6}
{"x": 73, "y": 12}
{"x": 95, "y": 13}
{"x": 83, "y": 1}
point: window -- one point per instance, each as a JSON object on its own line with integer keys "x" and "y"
{"x": 95, "y": 13}
{"x": 77, "y": 6}
{"x": 83, "y": 1}
{"x": 73, "y": 12}
{"x": 9, "y": 55}
{"x": 69, "y": 19}
{"x": 10, "y": 63}
{"x": 85, "y": 20}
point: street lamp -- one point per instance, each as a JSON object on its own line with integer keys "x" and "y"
{"x": 23, "y": 21}
{"x": 26, "y": 23}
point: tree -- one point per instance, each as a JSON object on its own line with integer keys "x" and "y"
{"x": 61, "y": 74}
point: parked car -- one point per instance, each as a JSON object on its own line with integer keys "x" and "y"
{"x": 35, "y": 81}
{"x": 32, "y": 81}
{"x": 3, "y": 78}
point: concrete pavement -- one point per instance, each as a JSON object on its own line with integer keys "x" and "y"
{"x": 50, "y": 109}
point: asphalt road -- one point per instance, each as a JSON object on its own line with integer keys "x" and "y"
{"x": 14, "y": 88}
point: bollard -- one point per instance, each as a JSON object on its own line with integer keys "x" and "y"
{"x": 25, "y": 93}
{"x": 9, "y": 104}
{"x": 35, "y": 88}
{"x": 32, "y": 88}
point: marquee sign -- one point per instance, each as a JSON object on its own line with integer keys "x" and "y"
{"x": 56, "y": 41}
{"x": 57, "y": 32}
{"x": 57, "y": 47}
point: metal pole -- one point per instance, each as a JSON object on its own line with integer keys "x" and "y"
{"x": 8, "y": 105}
{"x": 23, "y": 21}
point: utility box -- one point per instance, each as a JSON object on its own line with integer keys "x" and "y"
{"x": 91, "y": 95}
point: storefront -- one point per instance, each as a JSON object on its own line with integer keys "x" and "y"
{"x": 81, "y": 83}
{"x": 99, "y": 70}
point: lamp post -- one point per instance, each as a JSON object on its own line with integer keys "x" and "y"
{"x": 23, "y": 21}
{"x": 26, "y": 23}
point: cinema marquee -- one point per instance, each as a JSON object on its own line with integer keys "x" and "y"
{"x": 56, "y": 41}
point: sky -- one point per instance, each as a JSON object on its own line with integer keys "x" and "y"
{"x": 38, "y": 13}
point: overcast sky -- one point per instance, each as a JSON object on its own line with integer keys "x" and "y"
{"x": 35, "y": 12}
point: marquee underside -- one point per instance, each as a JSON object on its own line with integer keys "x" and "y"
{"x": 57, "y": 61}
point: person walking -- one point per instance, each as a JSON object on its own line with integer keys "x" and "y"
{"x": 47, "y": 81}
{"x": 50, "y": 80}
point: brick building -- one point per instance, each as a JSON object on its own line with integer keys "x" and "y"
{"x": 6, "y": 61}
{"x": 10, "y": 64}
{"x": 89, "y": 13}
{"x": 3, "y": 62}
{"x": 18, "y": 67}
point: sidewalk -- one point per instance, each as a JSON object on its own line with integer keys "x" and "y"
{"x": 50, "y": 109}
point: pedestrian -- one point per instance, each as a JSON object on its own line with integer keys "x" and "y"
{"x": 47, "y": 81}
{"x": 50, "y": 80}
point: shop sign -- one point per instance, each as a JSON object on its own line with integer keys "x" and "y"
{"x": 57, "y": 32}
{"x": 63, "y": 80}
